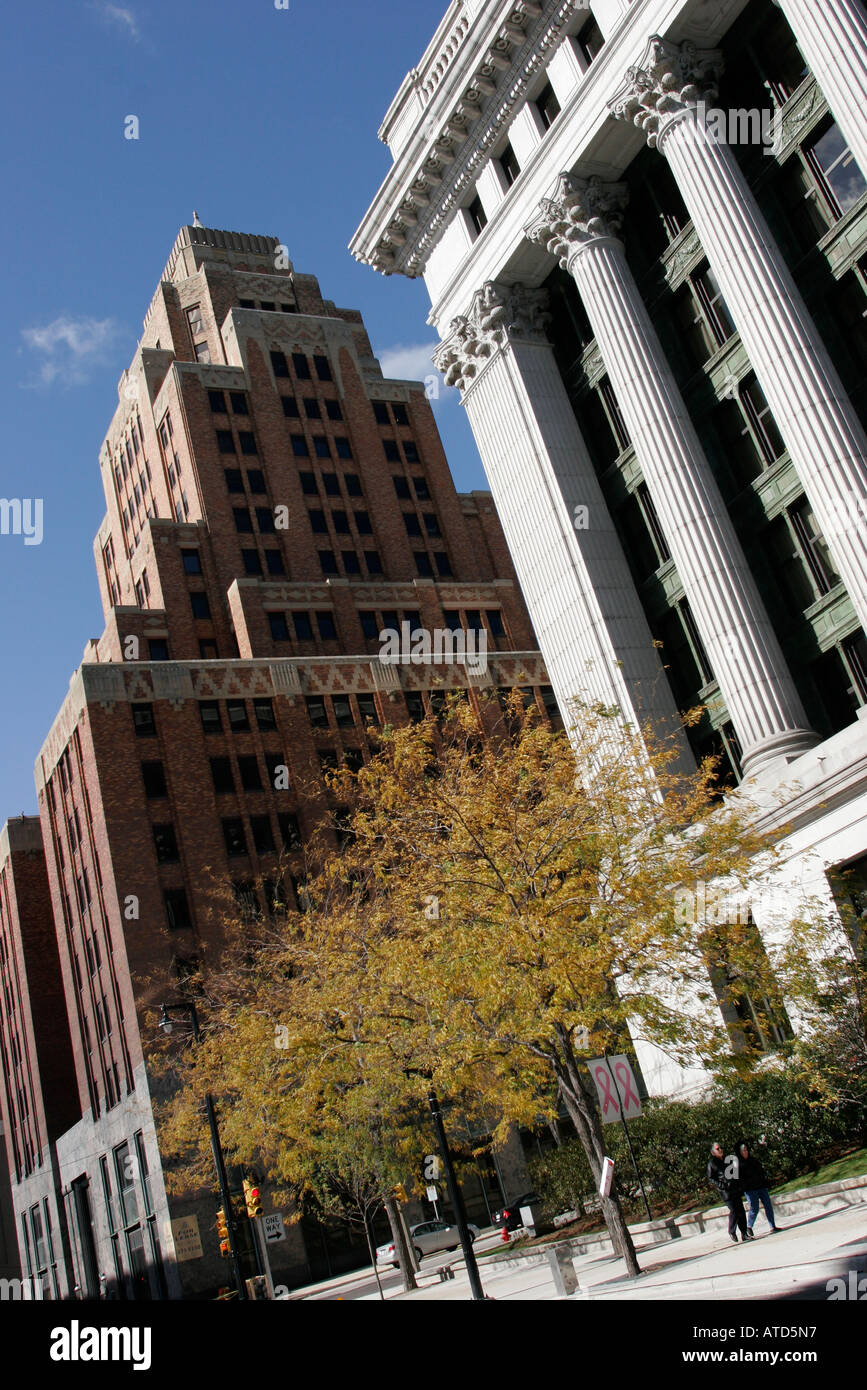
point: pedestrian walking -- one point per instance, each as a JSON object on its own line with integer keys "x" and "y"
{"x": 723, "y": 1174}
{"x": 754, "y": 1183}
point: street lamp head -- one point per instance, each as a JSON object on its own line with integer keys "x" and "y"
{"x": 165, "y": 1024}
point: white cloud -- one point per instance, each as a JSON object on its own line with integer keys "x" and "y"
{"x": 408, "y": 361}
{"x": 71, "y": 348}
{"x": 119, "y": 17}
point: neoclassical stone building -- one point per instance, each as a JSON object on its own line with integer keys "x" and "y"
{"x": 643, "y": 228}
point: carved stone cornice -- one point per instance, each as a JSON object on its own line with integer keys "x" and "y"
{"x": 499, "y": 315}
{"x": 669, "y": 82}
{"x": 581, "y": 211}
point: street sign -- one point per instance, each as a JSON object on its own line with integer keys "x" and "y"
{"x": 273, "y": 1227}
{"x": 607, "y": 1177}
{"x": 616, "y": 1088}
{"x": 432, "y": 1194}
{"x": 185, "y": 1233}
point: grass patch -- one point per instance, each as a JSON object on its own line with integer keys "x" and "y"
{"x": 852, "y": 1165}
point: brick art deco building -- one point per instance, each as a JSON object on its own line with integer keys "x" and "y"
{"x": 272, "y": 504}
{"x": 643, "y": 228}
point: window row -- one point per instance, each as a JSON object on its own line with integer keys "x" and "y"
{"x": 321, "y": 446}
{"x": 393, "y": 451}
{"x": 302, "y": 626}
{"x": 330, "y": 483}
{"x": 340, "y": 522}
{"x": 391, "y": 412}
{"x": 268, "y": 306}
{"x": 237, "y": 716}
{"x": 312, "y": 408}
{"x": 301, "y": 366}
{"x": 341, "y": 711}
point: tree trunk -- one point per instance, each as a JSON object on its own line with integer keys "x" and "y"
{"x": 584, "y": 1116}
{"x": 404, "y": 1254}
{"x": 372, "y": 1250}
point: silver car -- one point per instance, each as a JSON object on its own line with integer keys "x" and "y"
{"x": 427, "y": 1238}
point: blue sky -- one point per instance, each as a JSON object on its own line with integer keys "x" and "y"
{"x": 263, "y": 120}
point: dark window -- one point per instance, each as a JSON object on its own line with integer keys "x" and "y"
{"x": 322, "y": 447}
{"x": 813, "y": 546}
{"x": 343, "y": 448}
{"x": 328, "y": 561}
{"x": 333, "y": 411}
{"x": 353, "y": 759}
{"x": 252, "y": 562}
{"x": 279, "y": 364}
{"x": 380, "y": 412}
{"x": 289, "y": 831}
{"x": 279, "y": 627}
{"x": 192, "y": 561}
{"x": 327, "y": 628}
{"x": 234, "y": 479}
{"x": 301, "y": 365}
{"x": 323, "y": 368}
{"x": 547, "y": 105}
{"x": 414, "y": 705}
{"x": 268, "y": 306}
{"x": 263, "y": 835}
{"x": 264, "y": 713}
{"x": 233, "y": 835}
{"x": 431, "y": 525}
{"x": 373, "y": 562}
{"x": 331, "y": 484}
{"x": 453, "y": 620}
{"x": 243, "y": 520}
{"x": 411, "y": 451}
{"x": 317, "y": 712}
{"x": 290, "y": 407}
{"x": 217, "y": 402}
{"x": 274, "y": 562}
{"x": 246, "y": 303}
{"x": 392, "y": 452}
{"x": 412, "y": 524}
{"x": 143, "y": 722}
{"x": 158, "y": 649}
{"x": 208, "y": 649}
{"x": 399, "y": 411}
{"x": 340, "y": 521}
{"x": 221, "y": 775}
{"x": 248, "y": 768}
{"x": 308, "y": 484}
{"x": 764, "y": 426}
{"x": 351, "y": 562}
{"x": 441, "y": 561}
{"x": 177, "y": 909}
{"x": 318, "y": 524}
{"x": 265, "y": 520}
{"x": 311, "y": 408}
{"x": 209, "y": 712}
{"x": 421, "y": 489}
{"x": 239, "y": 403}
{"x": 362, "y": 522}
{"x": 165, "y": 843}
{"x": 422, "y": 563}
{"x": 342, "y": 711}
{"x": 225, "y": 442}
{"x": 200, "y": 606}
{"x": 327, "y": 760}
{"x": 154, "y": 778}
{"x": 299, "y": 446}
{"x": 369, "y": 624}
{"x": 477, "y": 215}
{"x": 237, "y": 713}
{"x": 247, "y": 440}
{"x": 833, "y": 164}
{"x": 401, "y": 487}
{"x": 590, "y": 41}
{"x": 367, "y": 708}
{"x": 353, "y": 484}
{"x": 303, "y": 627}
{"x": 509, "y": 165}
{"x": 255, "y": 480}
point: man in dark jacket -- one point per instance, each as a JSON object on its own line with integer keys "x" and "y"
{"x": 723, "y": 1174}
{"x": 755, "y": 1184}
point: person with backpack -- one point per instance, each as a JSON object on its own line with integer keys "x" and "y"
{"x": 723, "y": 1174}
{"x": 754, "y": 1183}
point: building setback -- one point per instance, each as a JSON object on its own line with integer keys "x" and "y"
{"x": 273, "y": 504}
{"x": 643, "y": 228}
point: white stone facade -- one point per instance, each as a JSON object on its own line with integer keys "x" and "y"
{"x": 492, "y": 187}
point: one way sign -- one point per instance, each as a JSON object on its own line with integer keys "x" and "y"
{"x": 273, "y": 1227}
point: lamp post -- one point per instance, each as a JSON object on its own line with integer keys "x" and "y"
{"x": 166, "y": 1025}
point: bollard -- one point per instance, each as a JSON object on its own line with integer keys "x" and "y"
{"x": 563, "y": 1271}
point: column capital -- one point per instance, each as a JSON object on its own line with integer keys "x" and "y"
{"x": 671, "y": 81}
{"x": 581, "y": 211}
{"x": 499, "y": 315}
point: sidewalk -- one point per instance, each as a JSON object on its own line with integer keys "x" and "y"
{"x": 704, "y": 1265}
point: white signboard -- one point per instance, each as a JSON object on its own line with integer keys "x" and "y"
{"x": 432, "y": 1194}
{"x": 616, "y": 1088}
{"x": 185, "y": 1232}
{"x": 607, "y": 1177}
{"x": 273, "y": 1227}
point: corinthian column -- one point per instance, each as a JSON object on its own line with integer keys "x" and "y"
{"x": 583, "y": 603}
{"x": 833, "y": 38}
{"x": 813, "y": 413}
{"x": 579, "y": 226}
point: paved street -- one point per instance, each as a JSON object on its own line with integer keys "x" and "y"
{"x": 796, "y": 1264}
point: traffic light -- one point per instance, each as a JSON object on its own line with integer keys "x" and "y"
{"x": 400, "y": 1193}
{"x": 223, "y": 1233}
{"x": 252, "y": 1199}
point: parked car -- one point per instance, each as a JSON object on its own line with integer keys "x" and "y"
{"x": 509, "y": 1218}
{"x": 427, "y": 1238}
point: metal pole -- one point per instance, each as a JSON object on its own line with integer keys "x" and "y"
{"x": 259, "y": 1226}
{"x": 629, "y": 1141}
{"x": 456, "y": 1197}
{"x": 220, "y": 1165}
